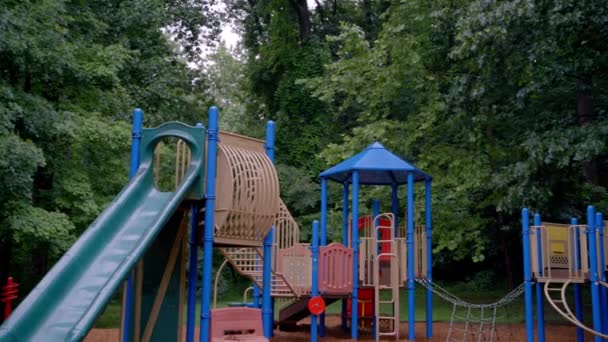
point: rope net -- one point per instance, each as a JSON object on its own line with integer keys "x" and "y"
{"x": 474, "y": 322}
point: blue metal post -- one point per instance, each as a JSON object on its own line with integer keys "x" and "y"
{"x": 578, "y": 299}
{"x": 267, "y": 307}
{"x": 138, "y": 118}
{"x": 429, "y": 257}
{"x": 192, "y": 274}
{"x": 256, "y": 296}
{"x": 210, "y": 168}
{"x": 314, "y": 248}
{"x": 411, "y": 308}
{"x": 395, "y": 206}
{"x": 593, "y": 276}
{"x": 323, "y": 238}
{"x": 354, "y": 318}
{"x": 376, "y": 212}
{"x": 599, "y": 225}
{"x": 540, "y": 310}
{"x": 525, "y": 236}
{"x": 323, "y": 211}
{"x": 345, "y": 243}
{"x": 267, "y": 314}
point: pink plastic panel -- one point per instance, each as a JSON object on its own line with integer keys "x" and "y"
{"x": 295, "y": 264}
{"x": 335, "y": 269}
{"x": 236, "y": 324}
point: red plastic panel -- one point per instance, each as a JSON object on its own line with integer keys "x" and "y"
{"x": 365, "y": 303}
{"x": 335, "y": 269}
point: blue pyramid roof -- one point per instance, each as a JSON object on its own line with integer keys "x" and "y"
{"x": 376, "y": 166}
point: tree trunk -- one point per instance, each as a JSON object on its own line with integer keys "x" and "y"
{"x": 301, "y": 7}
{"x": 508, "y": 266}
{"x": 584, "y": 114}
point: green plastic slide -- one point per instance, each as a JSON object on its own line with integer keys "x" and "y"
{"x": 65, "y": 304}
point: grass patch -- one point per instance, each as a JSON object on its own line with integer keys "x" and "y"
{"x": 442, "y": 310}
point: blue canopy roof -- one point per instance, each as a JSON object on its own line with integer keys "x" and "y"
{"x": 376, "y": 166}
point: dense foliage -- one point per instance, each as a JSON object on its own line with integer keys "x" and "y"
{"x": 71, "y": 72}
{"x": 503, "y": 102}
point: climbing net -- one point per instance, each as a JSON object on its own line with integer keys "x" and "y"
{"x": 478, "y": 320}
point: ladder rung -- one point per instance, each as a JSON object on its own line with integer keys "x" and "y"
{"x": 386, "y": 301}
{"x": 387, "y": 317}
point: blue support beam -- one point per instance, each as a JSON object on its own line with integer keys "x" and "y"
{"x": 599, "y": 225}
{"x": 354, "y": 333}
{"x": 267, "y": 307}
{"x": 525, "y": 222}
{"x": 127, "y": 323}
{"x": 578, "y": 298}
{"x": 593, "y": 272}
{"x": 267, "y": 312}
{"x": 210, "y": 168}
{"x": 314, "y": 248}
{"x": 540, "y": 310}
{"x": 323, "y": 238}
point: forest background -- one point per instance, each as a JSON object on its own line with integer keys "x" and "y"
{"x": 503, "y": 102}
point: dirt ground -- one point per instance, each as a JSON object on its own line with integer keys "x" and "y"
{"x": 509, "y": 333}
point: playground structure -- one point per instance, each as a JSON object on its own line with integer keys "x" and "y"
{"x": 558, "y": 255}
{"x": 226, "y": 189}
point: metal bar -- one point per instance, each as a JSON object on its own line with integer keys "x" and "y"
{"x": 578, "y": 301}
{"x": 540, "y": 311}
{"x": 212, "y": 133}
{"x": 355, "y": 245}
{"x": 314, "y": 248}
{"x": 593, "y": 276}
{"x": 323, "y": 238}
{"x": 127, "y": 310}
{"x": 267, "y": 309}
{"x": 599, "y": 226}
{"x": 525, "y": 219}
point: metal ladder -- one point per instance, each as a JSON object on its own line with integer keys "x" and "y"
{"x": 386, "y": 296}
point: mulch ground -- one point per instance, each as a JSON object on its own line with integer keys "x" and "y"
{"x": 504, "y": 332}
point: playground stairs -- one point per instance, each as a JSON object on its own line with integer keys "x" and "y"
{"x": 386, "y": 286}
{"x": 296, "y": 310}
{"x": 248, "y": 262}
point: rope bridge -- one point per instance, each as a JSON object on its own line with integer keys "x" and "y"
{"x": 479, "y": 320}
